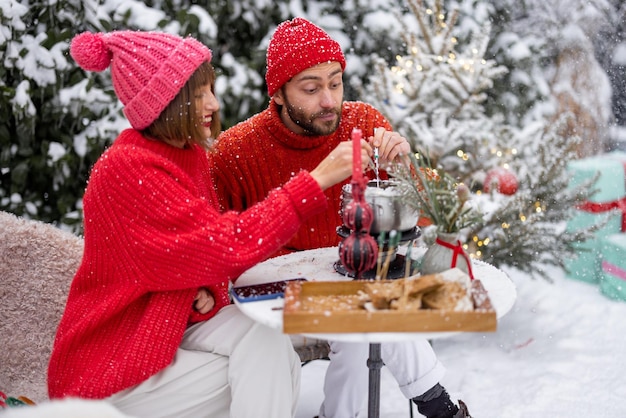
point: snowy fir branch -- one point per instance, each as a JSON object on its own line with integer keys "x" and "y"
{"x": 441, "y": 199}
{"x": 528, "y": 229}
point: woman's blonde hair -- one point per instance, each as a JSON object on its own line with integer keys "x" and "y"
{"x": 180, "y": 123}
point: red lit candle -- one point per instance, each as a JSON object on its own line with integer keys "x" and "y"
{"x": 357, "y": 172}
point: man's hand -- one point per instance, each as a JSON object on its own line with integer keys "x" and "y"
{"x": 203, "y": 301}
{"x": 391, "y": 146}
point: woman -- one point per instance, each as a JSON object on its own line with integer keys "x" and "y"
{"x": 148, "y": 325}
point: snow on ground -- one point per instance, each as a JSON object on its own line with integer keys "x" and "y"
{"x": 560, "y": 352}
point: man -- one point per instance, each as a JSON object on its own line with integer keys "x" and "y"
{"x": 306, "y": 118}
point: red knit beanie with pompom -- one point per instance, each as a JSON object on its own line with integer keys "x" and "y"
{"x": 295, "y": 46}
{"x": 148, "y": 69}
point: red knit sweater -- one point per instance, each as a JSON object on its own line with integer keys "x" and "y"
{"x": 153, "y": 236}
{"x": 261, "y": 153}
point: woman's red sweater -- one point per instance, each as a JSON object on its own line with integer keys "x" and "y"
{"x": 153, "y": 237}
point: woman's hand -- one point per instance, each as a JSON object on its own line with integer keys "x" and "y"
{"x": 203, "y": 301}
{"x": 337, "y": 166}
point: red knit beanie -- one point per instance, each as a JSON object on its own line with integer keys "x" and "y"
{"x": 295, "y": 46}
{"x": 148, "y": 69}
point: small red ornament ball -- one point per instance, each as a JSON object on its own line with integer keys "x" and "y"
{"x": 502, "y": 180}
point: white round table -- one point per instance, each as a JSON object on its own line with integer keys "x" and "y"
{"x": 318, "y": 265}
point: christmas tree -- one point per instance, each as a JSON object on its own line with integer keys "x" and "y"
{"x": 434, "y": 94}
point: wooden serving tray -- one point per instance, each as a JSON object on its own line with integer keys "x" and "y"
{"x": 298, "y": 320}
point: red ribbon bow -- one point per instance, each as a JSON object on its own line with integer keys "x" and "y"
{"x": 457, "y": 250}
{"x": 594, "y": 207}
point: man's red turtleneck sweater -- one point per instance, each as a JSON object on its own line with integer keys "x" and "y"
{"x": 153, "y": 237}
{"x": 261, "y": 153}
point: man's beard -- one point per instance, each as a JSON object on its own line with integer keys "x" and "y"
{"x": 310, "y": 124}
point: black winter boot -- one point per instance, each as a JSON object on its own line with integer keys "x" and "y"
{"x": 436, "y": 403}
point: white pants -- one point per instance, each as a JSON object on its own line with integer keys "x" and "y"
{"x": 229, "y": 366}
{"x": 413, "y": 364}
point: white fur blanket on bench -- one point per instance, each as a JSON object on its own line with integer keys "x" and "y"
{"x": 37, "y": 264}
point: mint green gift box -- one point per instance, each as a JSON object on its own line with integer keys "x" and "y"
{"x": 613, "y": 266}
{"x": 610, "y": 187}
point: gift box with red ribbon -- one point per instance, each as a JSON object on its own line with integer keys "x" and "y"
{"x": 613, "y": 266}
{"x": 606, "y": 207}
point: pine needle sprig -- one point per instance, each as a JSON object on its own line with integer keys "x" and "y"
{"x": 437, "y": 195}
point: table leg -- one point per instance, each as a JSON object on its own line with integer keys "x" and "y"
{"x": 374, "y": 363}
